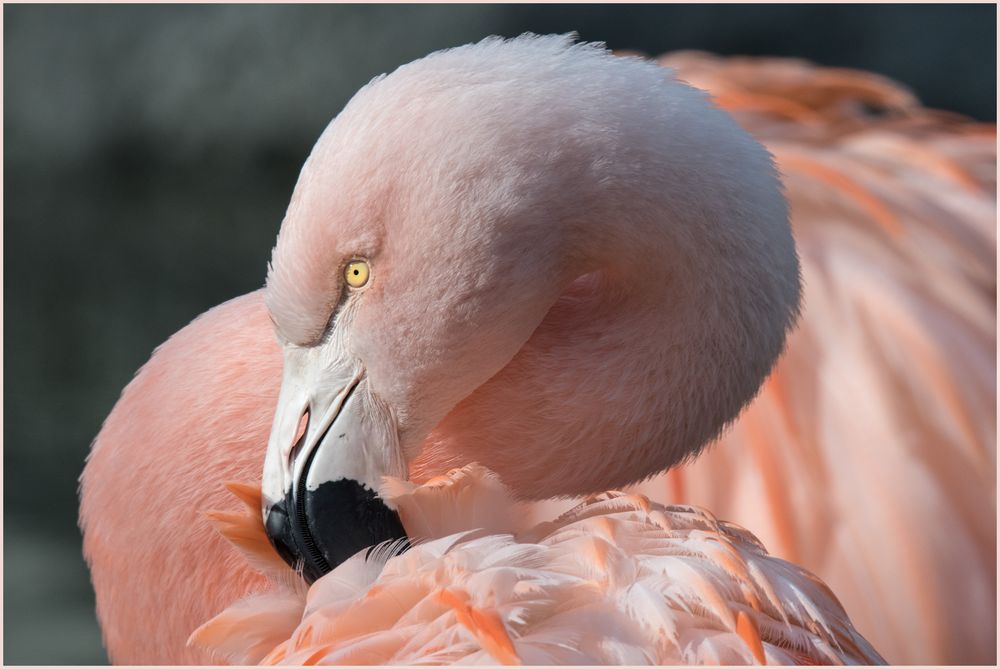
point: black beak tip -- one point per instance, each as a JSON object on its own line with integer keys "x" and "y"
{"x": 319, "y": 529}
{"x": 279, "y": 532}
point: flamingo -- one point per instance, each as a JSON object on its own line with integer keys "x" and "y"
{"x": 578, "y": 290}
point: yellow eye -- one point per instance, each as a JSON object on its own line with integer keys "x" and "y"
{"x": 356, "y": 273}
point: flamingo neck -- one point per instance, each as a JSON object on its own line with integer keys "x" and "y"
{"x": 646, "y": 356}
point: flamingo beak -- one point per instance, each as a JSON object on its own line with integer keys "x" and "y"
{"x": 325, "y": 460}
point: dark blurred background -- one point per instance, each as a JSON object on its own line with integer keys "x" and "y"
{"x": 149, "y": 153}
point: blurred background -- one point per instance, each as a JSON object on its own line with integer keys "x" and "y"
{"x": 149, "y": 153}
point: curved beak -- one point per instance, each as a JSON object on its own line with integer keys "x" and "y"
{"x": 326, "y": 457}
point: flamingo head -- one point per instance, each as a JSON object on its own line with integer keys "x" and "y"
{"x": 566, "y": 265}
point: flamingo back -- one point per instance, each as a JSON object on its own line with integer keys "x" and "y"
{"x": 870, "y": 455}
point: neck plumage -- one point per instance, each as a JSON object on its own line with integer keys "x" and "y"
{"x": 665, "y": 335}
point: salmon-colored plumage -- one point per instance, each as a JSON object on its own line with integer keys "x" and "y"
{"x": 868, "y": 457}
{"x": 617, "y": 579}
